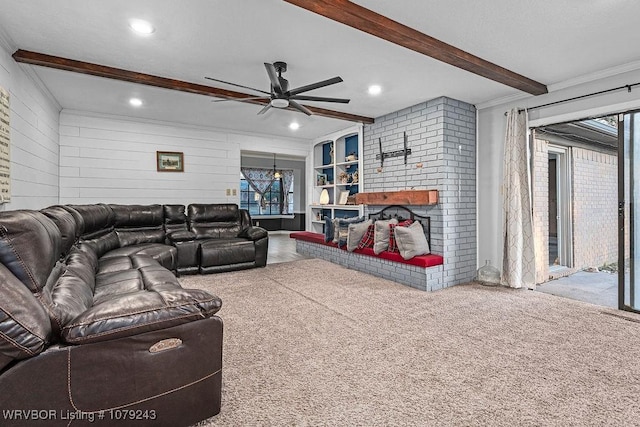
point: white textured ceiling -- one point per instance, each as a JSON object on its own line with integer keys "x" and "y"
{"x": 549, "y": 41}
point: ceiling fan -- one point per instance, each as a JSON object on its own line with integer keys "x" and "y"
{"x": 280, "y": 95}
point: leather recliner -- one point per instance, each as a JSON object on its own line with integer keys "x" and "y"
{"x": 213, "y": 238}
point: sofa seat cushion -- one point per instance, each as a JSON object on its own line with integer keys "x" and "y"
{"x": 138, "y": 312}
{"x": 114, "y": 264}
{"x": 124, "y": 262}
{"x": 217, "y": 252}
{"x": 166, "y": 255}
{"x": 117, "y": 283}
{"x": 156, "y": 278}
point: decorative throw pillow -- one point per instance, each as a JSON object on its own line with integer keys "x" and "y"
{"x": 381, "y": 237}
{"x": 367, "y": 238}
{"x": 393, "y": 247}
{"x": 412, "y": 241}
{"x": 336, "y": 230}
{"x": 355, "y": 233}
{"x": 343, "y": 228}
{"x": 328, "y": 229}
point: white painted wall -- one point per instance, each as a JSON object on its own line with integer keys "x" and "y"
{"x": 491, "y": 132}
{"x": 34, "y": 136}
{"x": 113, "y": 160}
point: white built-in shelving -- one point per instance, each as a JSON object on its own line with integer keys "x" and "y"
{"x": 337, "y": 168}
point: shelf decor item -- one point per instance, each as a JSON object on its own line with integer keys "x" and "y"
{"x": 344, "y": 197}
{"x": 344, "y": 177}
{"x": 321, "y": 179}
{"x": 169, "y": 161}
{"x": 324, "y": 197}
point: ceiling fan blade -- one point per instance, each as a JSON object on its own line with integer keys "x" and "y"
{"x": 240, "y": 99}
{"x": 235, "y": 84}
{"x": 273, "y": 76}
{"x": 299, "y": 107}
{"x": 319, "y": 98}
{"x": 265, "y": 109}
{"x": 317, "y": 85}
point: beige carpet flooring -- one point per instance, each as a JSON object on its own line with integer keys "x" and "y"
{"x": 309, "y": 343}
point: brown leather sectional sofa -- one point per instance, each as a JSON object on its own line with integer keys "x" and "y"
{"x": 94, "y": 325}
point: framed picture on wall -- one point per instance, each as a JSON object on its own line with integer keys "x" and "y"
{"x": 170, "y": 161}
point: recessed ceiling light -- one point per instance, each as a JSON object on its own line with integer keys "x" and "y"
{"x": 141, "y": 26}
{"x": 374, "y": 90}
{"x": 294, "y": 126}
{"x": 135, "y": 102}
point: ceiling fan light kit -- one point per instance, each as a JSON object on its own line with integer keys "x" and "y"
{"x": 280, "y": 96}
{"x": 279, "y": 103}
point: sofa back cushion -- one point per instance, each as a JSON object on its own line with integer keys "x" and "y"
{"x": 214, "y": 220}
{"x": 137, "y": 224}
{"x": 175, "y": 218}
{"x": 68, "y": 225}
{"x": 98, "y": 219}
{"x": 29, "y": 246}
{"x": 134, "y": 216}
{"x": 103, "y": 243}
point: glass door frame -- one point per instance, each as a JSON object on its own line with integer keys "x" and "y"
{"x": 623, "y": 211}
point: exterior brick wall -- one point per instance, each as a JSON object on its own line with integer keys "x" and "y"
{"x": 442, "y": 136}
{"x": 595, "y": 208}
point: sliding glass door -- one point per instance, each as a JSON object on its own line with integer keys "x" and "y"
{"x": 628, "y": 216}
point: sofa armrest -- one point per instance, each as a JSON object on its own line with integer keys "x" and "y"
{"x": 138, "y": 312}
{"x": 181, "y": 236}
{"x": 254, "y": 233}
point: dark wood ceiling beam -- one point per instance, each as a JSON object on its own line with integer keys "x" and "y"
{"x": 373, "y": 23}
{"x": 41, "y": 59}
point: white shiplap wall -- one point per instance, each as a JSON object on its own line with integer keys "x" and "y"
{"x": 34, "y": 119}
{"x": 113, "y": 160}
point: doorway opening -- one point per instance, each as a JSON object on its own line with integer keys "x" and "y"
{"x": 554, "y": 258}
{"x": 559, "y": 203}
{"x": 575, "y": 188}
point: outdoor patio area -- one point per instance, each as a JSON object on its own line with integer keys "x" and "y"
{"x": 600, "y": 288}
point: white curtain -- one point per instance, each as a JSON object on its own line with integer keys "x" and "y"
{"x": 260, "y": 180}
{"x": 518, "y": 265}
{"x": 287, "y": 180}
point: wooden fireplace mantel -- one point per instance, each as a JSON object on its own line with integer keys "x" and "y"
{"x": 403, "y": 197}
